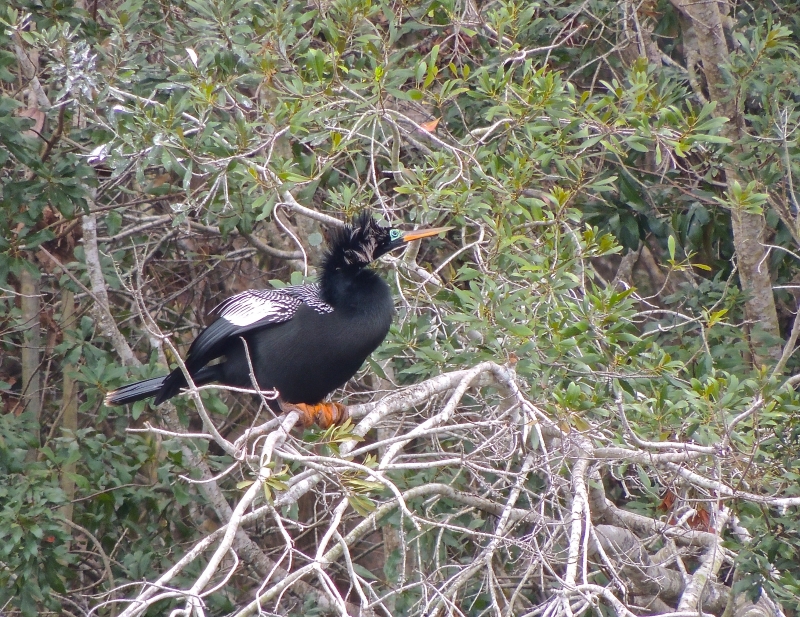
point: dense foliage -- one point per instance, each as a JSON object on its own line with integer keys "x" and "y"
{"x": 586, "y": 353}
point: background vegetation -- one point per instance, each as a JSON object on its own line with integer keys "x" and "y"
{"x": 586, "y": 403}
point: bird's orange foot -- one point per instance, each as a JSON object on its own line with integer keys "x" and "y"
{"x": 324, "y": 414}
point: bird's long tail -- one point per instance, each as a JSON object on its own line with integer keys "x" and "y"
{"x": 162, "y": 388}
{"x": 135, "y": 391}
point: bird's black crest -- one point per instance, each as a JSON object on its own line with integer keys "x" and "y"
{"x": 357, "y": 243}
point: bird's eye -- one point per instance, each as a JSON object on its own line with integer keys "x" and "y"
{"x": 394, "y": 234}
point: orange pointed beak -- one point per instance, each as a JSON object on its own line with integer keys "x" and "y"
{"x": 424, "y": 233}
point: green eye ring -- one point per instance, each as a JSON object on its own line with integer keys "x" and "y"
{"x": 395, "y": 234}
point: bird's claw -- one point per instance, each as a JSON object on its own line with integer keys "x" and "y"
{"x": 324, "y": 414}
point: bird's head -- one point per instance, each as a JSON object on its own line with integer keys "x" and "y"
{"x": 362, "y": 241}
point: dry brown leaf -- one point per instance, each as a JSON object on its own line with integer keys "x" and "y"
{"x": 37, "y": 115}
{"x": 431, "y": 125}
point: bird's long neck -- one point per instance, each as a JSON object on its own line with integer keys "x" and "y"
{"x": 353, "y": 288}
{"x": 362, "y": 306}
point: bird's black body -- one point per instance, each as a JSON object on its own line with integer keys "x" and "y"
{"x": 309, "y": 356}
{"x": 306, "y": 340}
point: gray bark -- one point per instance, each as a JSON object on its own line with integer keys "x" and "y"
{"x": 69, "y": 410}
{"x": 649, "y": 580}
{"x": 31, "y": 305}
{"x": 748, "y": 228}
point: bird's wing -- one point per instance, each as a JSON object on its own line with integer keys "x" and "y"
{"x": 310, "y": 295}
{"x": 267, "y": 306}
{"x": 251, "y": 310}
{"x": 258, "y": 307}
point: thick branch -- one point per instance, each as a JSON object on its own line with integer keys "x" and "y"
{"x": 646, "y": 579}
{"x": 101, "y": 307}
{"x": 694, "y": 596}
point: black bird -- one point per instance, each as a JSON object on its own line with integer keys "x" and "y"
{"x": 305, "y": 340}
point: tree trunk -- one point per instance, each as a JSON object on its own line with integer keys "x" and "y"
{"x": 69, "y": 414}
{"x": 748, "y": 228}
{"x": 30, "y": 303}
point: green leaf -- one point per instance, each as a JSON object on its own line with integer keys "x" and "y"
{"x": 364, "y": 573}
{"x": 362, "y": 505}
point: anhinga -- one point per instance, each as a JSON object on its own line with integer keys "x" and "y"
{"x": 303, "y": 341}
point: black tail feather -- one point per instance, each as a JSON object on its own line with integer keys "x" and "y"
{"x": 162, "y": 388}
{"x": 175, "y": 381}
{"x": 135, "y": 391}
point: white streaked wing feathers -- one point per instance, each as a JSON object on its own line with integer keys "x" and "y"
{"x": 309, "y": 295}
{"x": 270, "y": 305}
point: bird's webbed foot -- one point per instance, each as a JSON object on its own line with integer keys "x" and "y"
{"x": 324, "y": 414}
